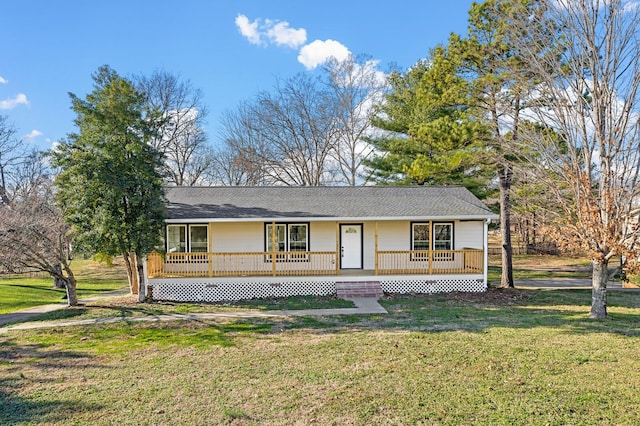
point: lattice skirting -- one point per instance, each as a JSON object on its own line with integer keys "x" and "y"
{"x": 442, "y": 285}
{"x": 193, "y": 291}
{"x": 206, "y": 290}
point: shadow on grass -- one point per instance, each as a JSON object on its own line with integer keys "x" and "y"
{"x": 31, "y": 287}
{"x": 17, "y": 361}
{"x": 17, "y": 410}
{"x": 566, "y": 310}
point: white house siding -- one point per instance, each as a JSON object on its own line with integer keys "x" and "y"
{"x": 393, "y": 235}
{"x": 322, "y": 236}
{"x": 468, "y": 234}
{"x": 237, "y": 237}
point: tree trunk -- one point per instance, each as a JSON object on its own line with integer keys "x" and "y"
{"x": 505, "y": 173}
{"x": 142, "y": 293}
{"x": 135, "y": 282}
{"x": 130, "y": 272}
{"x": 72, "y": 297}
{"x": 599, "y": 289}
{"x": 58, "y": 281}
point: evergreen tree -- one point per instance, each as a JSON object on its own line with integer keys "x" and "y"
{"x": 109, "y": 183}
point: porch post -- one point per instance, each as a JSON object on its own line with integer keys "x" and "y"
{"x": 376, "y": 249}
{"x": 273, "y": 248}
{"x": 210, "y": 249}
{"x": 337, "y": 248}
{"x": 430, "y": 255}
{"x": 486, "y": 252}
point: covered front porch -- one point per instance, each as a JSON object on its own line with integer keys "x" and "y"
{"x": 220, "y": 276}
{"x": 311, "y": 263}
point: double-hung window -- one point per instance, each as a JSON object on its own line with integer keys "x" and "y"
{"x": 427, "y": 236}
{"x": 289, "y": 237}
{"x": 176, "y": 238}
{"x": 443, "y": 240}
{"x": 420, "y": 240}
{"x": 198, "y": 241}
{"x": 187, "y": 238}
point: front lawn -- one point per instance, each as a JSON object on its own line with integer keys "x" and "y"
{"x": 21, "y": 292}
{"x": 504, "y": 357}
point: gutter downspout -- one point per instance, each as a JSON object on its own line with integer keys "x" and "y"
{"x": 486, "y": 253}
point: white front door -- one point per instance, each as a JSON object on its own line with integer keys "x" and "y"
{"x": 351, "y": 246}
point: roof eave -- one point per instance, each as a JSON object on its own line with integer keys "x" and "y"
{"x": 490, "y": 216}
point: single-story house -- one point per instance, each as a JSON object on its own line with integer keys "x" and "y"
{"x": 231, "y": 243}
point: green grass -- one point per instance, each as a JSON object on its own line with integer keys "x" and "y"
{"x": 523, "y": 357}
{"x": 21, "y": 292}
{"x": 127, "y": 307}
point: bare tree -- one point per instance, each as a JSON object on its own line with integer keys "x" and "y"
{"x": 590, "y": 95}
{"x": 356, "y": 85}
{"x": 295, "y": 123}
{"x": 180, "y": 116}
{"x": 287, "y": 134}
{"x": 11, "y": 156}
{"x": 35, "y": 231}
{"x": 239, "y": 162}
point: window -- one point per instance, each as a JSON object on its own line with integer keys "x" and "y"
{"x": 443, "y": 240}
{"x": 288, "y": 237}
{"x": 420, "y": 239}
{"x": 176, "y": 238}
{"x": 197, "y": 241}
{"x": 431, "y": 236}
{"x": 297, "y": 237}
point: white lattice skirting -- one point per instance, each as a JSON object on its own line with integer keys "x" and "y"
{"x": 217, "y": 290}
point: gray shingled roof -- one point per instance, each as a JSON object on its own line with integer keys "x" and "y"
{"x": 380, "y": 202}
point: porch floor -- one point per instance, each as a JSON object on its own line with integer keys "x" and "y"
{"x": 356, "y": 272}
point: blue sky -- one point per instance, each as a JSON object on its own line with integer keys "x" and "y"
{"x": 228, "y": 49}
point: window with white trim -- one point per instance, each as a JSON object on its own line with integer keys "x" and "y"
{"x": 176, "y": 238}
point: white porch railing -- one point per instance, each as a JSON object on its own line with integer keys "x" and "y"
{"x": 310, "y": 263}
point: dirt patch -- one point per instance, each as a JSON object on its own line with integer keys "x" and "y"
{"x": 493, "y": 296}
{"x": 498, "y": 296}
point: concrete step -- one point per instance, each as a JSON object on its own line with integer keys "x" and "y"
{"x": 351, "y": 289}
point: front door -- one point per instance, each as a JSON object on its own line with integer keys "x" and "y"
{"x": 351, "y": 246}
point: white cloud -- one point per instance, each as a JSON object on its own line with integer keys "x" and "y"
{"x": 318, "y": 52}
{"x": 262, "y": 32}
{"x": 20, "y": 99}
{"x": 281, "y": 34}
{"x": 3, "y": 80}
{"x": 32, "y": 134}
{"x": 248, "y": 29}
